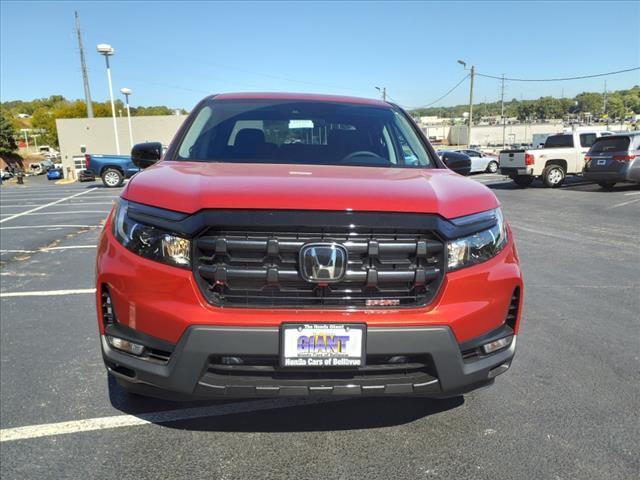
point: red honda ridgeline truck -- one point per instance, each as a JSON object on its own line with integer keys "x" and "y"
{"x": 294, "y": 244}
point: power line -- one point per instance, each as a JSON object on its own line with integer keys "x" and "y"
{"x": 561, "y": 79}
{"x": 446, "y": 94}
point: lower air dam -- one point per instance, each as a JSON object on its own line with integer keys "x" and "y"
{"x": 322, "y": 362}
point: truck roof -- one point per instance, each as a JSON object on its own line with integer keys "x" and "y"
{"x": 299, "y": 97}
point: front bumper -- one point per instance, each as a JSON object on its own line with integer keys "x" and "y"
{"x": 168, "y": 308}
{"x": 188, "y": 375}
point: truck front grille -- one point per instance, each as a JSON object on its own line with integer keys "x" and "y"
{"x": 387, "y": 268}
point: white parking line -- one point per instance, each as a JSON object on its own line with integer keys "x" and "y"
{"x": 35, "y": 199}
{"x": 46, "y": 205}
{"x": 66, "y": 204}
{"x": 59, "y": 213}
{"x": 47, "y": 293}
{"x": 623, "y": 204}
{"x": 119, "y": 421}
{"x": 631, "y": 193}
{"x": 49, "y": 249}
{"x": 50, "y": 226}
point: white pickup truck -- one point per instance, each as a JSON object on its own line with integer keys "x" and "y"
{"x": 563, "y": 154}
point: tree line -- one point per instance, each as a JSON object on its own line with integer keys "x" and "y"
{"x": 619, "y": 105}
{"x": 43, "y": 113}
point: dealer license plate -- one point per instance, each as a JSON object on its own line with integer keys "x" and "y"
{"x": 322, "y": 345}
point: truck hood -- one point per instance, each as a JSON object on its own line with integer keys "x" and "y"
{"x": 191, "y": 186}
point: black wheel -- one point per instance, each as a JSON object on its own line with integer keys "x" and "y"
{"x": 112, "y": 178}
{"x": 553, "y": 176}
{"x": 523, "y": 180}
{"x": 492, "y": 167}
{"x": 607, "y": 185}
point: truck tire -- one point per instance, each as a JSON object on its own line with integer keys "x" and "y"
{"x": 523, "y": 181}
{"x": 492, "y": 167}
{"x": 553, "y": 176}
{"x": 606, "y": 185}
{"x": 112, "y": 178}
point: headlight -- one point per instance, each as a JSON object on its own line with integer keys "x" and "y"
{"x": 479, "y": 247}
{"x": 150, "y": 242}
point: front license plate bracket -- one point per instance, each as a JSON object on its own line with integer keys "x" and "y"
{"x": 326, "y": 345}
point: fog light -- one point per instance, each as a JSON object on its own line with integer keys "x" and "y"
{"x": 125, "y": 345}
{"x": 497, "y": 344}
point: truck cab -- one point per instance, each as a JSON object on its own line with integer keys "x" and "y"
{"x": 563, "y": 154}
{"x": 112, "y": 169}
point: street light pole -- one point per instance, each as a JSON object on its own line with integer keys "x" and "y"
{"x": 26, "y": 138}
{"x": 473, "y": 74}
{"x": 504, "y": 120}
{"x": 126, "y": 92}
{"x": 107, "y": 50}
{"x": 383, "y": 92}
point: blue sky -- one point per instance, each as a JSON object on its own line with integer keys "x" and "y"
{"x": 174, "y": 53}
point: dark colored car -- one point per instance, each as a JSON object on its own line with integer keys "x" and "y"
{"x": 614, "y": 159}
{"x": 55, "y": 174}
{"x": 86, "y": 176}
{"x": 457, "y": 161}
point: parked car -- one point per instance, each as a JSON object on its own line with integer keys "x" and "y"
{"x": 243, "y": 265}
{"x": 35, "y": 168}
{"x": 457, "y": 161}
{"x": 55, "y": 173}
{"x": 481, "y": 162}
{"x": 563, "y": 154}
{"x": 49, "y": 152}
{"x": 86, "y": 176}
{"x": 113, "y": 169}
{"x": 614, "y": 159}
{"x": 6, "y": 174}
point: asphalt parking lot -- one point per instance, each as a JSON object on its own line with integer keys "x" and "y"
{"x": 568, "y": 408}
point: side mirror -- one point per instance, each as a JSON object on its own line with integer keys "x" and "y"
{"x": 458, "y": 162}
{"x": 144, "y": 155}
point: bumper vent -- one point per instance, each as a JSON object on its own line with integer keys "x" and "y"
{"x": 106, "y": 307}
{"x": 386, "y": 268}
{"x": 512, "y": 313}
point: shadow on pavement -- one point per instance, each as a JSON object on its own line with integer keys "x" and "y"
{"x": 299, "y": 416}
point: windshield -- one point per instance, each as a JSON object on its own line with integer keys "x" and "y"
{"x": 302, "y": 132}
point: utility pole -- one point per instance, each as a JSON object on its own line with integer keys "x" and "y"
{"x": 504, "y": 120}
{"x": 604, "y": 100}
{"x": 473, "y": 74}
{"x": 384, "y": 94}
{"x": 83, "y": 66}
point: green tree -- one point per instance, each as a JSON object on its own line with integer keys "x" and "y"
{"x": 44, "y": 119}
{"x": 590, "y": 102}
{"x": 7, "y": 140}
{"x": 616, "y": 107}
